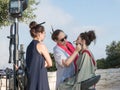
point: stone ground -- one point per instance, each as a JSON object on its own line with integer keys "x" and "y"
{"x": 110, "y": 79}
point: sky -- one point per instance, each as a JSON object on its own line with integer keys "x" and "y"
{"x": 73, "y": 17}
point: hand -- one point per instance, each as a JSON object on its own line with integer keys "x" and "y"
{"x": 45, "y": 64}
{"x": 78, "y": 47}
{"x": 16, "y": 67}
{"x": 63, "y": 62}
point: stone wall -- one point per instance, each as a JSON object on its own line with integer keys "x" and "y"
{"x": 110, "y": 79}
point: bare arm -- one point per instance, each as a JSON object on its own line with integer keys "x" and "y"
{"x": 72, "y": 57}
{"x": 44, "y": 51}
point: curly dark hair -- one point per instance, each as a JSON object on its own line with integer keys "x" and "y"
{"x": 88, "y": 36}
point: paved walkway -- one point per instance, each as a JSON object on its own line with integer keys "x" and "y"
{"x": 110, "y": 79}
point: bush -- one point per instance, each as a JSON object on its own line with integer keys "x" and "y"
{"x": 53, "y": 68}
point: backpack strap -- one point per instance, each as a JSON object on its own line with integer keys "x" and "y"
{"x": 83, "y": 61}
{"x": 89, "y": 55}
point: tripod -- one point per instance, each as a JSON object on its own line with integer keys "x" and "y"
{"x": 18, "y": 56}
{"x": 21, "y": 75}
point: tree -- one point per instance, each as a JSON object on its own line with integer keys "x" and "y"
{"x": 113, "y": 54}
{"x": 4, "y": 12}
{"x": 101, "y": 63}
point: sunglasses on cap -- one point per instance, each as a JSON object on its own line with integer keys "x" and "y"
{"x": 63, "y": 38}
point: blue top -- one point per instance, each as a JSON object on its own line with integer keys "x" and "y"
{"x": 36, "y": 71}
{"x": 63, "y": 72}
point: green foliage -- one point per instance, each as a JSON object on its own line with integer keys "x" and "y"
{"x": 113, "y": 49}
{"x": 3, "y": 12}
{"x": 5, "y": 17}
{"x": 53, "y": 68}
{"x": 101, "y": 63}
{"x": 113, "y": 56}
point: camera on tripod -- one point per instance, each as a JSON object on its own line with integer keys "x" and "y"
{"x": 16, "y": 7}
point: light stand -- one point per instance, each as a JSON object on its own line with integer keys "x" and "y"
{"x": 14, "y": 40}
{"x": 15, "y": 52}
{"x": 16, "y": 7}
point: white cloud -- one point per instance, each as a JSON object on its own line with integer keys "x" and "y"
{"x": 52, "y": 14}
